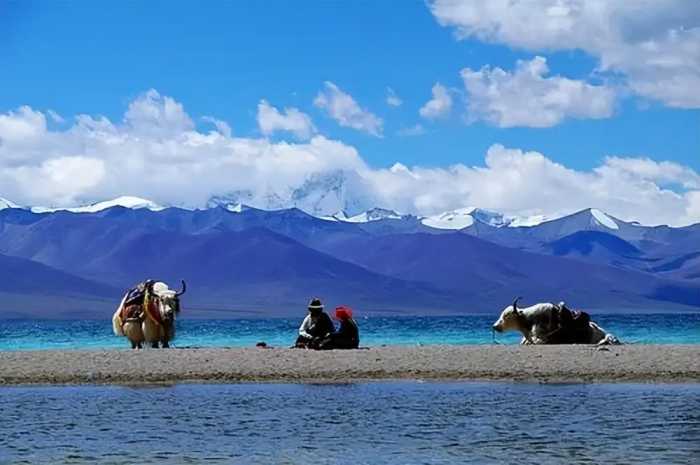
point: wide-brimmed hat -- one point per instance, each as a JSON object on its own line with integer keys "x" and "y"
{"x": 315, "y": 304}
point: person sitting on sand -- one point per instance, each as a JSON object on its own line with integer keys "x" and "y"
{"x": 316, "y": 326}
{"x": 348, "y": 334}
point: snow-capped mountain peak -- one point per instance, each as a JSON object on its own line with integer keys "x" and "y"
{"x": 455, "y": 219}
{"x": 131, "y": 202}
{"x": 237, "y": 207}
{"x": 528, "y": 221}
{"x": 338, "y": 216}
{"x": 603, "y": 219}
{"x": 465, "y": 217}
{"x": 492, "y": 218}
{"x": 374, "y": 214}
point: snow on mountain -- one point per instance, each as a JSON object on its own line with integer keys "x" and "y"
{"x": 491, "y": 217}
{"x": 375, "y": 214}
{"x": 325, "y": 198}
{"x": 338, "y": 216}
{"x": 323, "y": 194}
{"x": 4, "y": 203}
{"x": 603, "y": 219}
{"x": 528, "y": 221}
{"x": 236, "y": 207}
{"x": 465, "y": 217}
{"x": 230, "y": 203}
{"x": 455, "y": 219}
{"x": 320, "y": 195}
{"x": 134, "y": 203}
{"x": 244, "y": 198}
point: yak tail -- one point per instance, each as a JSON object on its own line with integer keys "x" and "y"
{"x": 117, "y": 323}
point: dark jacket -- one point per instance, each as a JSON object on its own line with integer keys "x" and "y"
{"x": 347, "y": 336}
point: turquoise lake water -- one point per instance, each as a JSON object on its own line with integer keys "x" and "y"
{"x": 372, "y": 423}
{"x": 375, "y": 331}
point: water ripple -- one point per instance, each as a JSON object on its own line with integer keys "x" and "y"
{"x": 376, "y": 423}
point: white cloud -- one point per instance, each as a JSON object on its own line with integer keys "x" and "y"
{"x": 655, "y": 44}
{"x": 154, "y": 115}
{"x": 526, "y": 97}
{"x": 164, "y": 159}
{"x": 346, "y": 111}
{"x": 23, "y": 124}
{"x": 157, "y": 155}
{"x": 658, "y": 172}
{"x": 221, "y": 126}
{"x": 271, "y": 120}
{"x": 440, "y": 105}
{"x": 55, "y": 117}
{"x": 528, "y": 183}
{"x": 392, "y": 99}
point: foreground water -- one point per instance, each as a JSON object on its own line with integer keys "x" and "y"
{"x": 377, "y": 423}
{"x": 472, "y": 329}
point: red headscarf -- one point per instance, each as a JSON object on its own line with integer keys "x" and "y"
{"x": 343, "y": 313}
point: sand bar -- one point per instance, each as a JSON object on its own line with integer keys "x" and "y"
{"x": 629, "y": 363}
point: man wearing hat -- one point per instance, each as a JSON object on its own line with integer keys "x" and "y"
{"x": 316, "y": 326}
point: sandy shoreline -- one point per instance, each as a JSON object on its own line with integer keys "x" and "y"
{"x": 550, "y": 364}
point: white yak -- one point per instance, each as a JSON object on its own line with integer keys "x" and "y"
{"x": 548, "y": 323}
{"x": 152, "y": 323}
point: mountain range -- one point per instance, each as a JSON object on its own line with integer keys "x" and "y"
{"x": 239, "y": 260}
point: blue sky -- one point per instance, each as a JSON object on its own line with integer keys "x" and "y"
{"x": 223, "y": 58}
{"x": 94, "y": 57}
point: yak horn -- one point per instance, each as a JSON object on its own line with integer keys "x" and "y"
{"x": 515, "y": 303}
{"x": 184, "y": 288}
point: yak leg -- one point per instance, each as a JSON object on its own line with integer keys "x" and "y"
{"x": 601, "y": 337}
{"x": 152, "y": 333}
{"x": 167, "y": 334}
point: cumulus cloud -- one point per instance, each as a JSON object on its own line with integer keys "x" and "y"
{"x": 157, "y": 116}
{"x": 271, "y": 120}
{"x": 658, "y": 172}
{"x": 55, "y": 117}
{"x": 60, "y": 178}
{"x": 22, "y": 124}
{"x": 529, "y": 183}
{"x": 655, "y": 44}
{"x": 154, "y": 152}
{"x": 158, "y": 154}
{"x": 526, "y": 97}
{"x": 438, "y": 106}
{"x": 346, "y": 111}
{"x": 392, "y": 99}
{"x": 221, "y": 126}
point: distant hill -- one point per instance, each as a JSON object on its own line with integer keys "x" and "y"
{"x": 242, "y": 260}
{"x": 28, "y": 288}
{"x": 487, "y": 272}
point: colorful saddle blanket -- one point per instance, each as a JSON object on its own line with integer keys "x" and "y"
{"x": 136, "y": 295}
{"x": 130, "y": 312}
